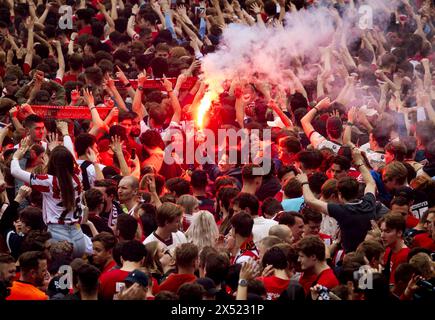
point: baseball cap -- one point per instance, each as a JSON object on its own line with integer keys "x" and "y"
{"x": 208, "y": 284}
{"x": 334, "y": 124}
{"x": 137, "y": 276}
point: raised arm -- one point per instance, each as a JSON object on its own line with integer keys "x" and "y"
{"x": 306, "y": 120}
{"x": 360, "y": 164}
{"x": 174, "y": 100}
{"x": 138, "y": 107}
{"x": 309, "y": 197}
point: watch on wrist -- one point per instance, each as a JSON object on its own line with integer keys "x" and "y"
{"x": 140, "y": 88}
{"x": 243, "y": 283}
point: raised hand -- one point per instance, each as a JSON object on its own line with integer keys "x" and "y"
{"x": 62, "y": 126}
{"x": 116, "y": 145}
{"x": 53, "y": 140}
{"x": 89, "y": 98}
{"x": 167, "y": 84}
{"x": 249, "y": 270}
{"x": 24, "y": 146}
{"x": 121, "y": 75}
{"x": 256, "y": 8}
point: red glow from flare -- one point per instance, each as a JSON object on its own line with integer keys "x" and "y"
{"x": 203, "y": 107}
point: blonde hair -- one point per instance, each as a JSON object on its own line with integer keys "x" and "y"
{"x": 188, "y": 202}
{"x": 203, "y": 230}
{"x": 423, "y": 263}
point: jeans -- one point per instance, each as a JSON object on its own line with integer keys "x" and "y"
{"x": 70, "y": 233}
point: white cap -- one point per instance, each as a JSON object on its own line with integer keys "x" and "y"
{"x": 369, "y": 112}
{"x": 276, "y": 123}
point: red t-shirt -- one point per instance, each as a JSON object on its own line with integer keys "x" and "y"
{"x": 85, "y": 30}
{"x": 175, "y": 281}
{"x": 397, "y": 258}
{"x": 328, "y": 279}
{"x": 306, "y": 280}
{"x": 424, "y": 241}
{"x": 110, "y": 266}
{"x": 411, "y": 221}
{"x": 110, "y": 283}
{"x": 274, "y": 286}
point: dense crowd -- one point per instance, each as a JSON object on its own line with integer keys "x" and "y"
{"x": 93, "y": 208}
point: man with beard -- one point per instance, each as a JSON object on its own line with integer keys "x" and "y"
{"x": 33, "y": 266}
{"x": 7, "y": 274}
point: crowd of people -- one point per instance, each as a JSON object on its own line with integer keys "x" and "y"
{"x": 91, "y": 208}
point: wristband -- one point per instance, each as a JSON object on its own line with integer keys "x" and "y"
{"x": 128, "y": 85}
{"x": 303, "y": 183}
{"x": 140, "y": 88}
{"x": 350, "y": 124}
{"x": 91, "y": 108}
{"x": 315, "y": 108}
{"x": 359, "y": 165}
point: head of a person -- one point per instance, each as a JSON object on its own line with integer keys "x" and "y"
{"x": 308, "y": 160}
{"x": 373, "y": 251}
{"x": 395, "y": 151}
{"x": 271, "y": 207}
{"x": 224, "y": 197}
{"x": 199, "y": 180}
{"x": 126, "y": 227}
{"x": 94, "y": 201}
{"x": 329, "y": 190}
{"x": 245, "y": 202}
{"x": 403, "y": 274}
{"x": 128, "y": 189}
{"x": 102, "y": 245}
{"x": 10, "y": 84}
{"x": 394, "y": 175}
{"x": 242, "y": 223}
{"x": 87, "y": 279}
{"x": 275, "y": 257}
{"x": 33, "y": 267}
{"x": 7, "y": 269}
{"x": 348, "y": 188}
{"x": 339, "y": 168}
{"x": 392, "y": 229}
{"x": 189, "y": 203}
{"x": 431, "y": 223}
{"x": 249, "y": 178}
{"x": 203, "y": 230}
{"x": 151, "y": 140}
{"x": 266, "y": 243}
{"x": 295, "y": 221}
{"x": 285, "y": 173}
{"x": 379, "y": 137}
{"x": 400, "y": 205}
{"x": 216, "y": 267}
{"x": 108, "y": 188}
{"x": 292, "y": 189}
{"x": 312, "y": 221}
{"x": 282, "y": 231}
{"x": 423, "y": 265}
{"x": 126, "y": 121}
{"x": 31, "y": 219}
{"x": 424, "y": 132}
{"x": 288, "y": 147}
{"x": 169, "y": 216}
{"x": 178, "y": 186}
{"x": 133, "y": 251}
{"x": 186, "y": 256}
{"x": 334, "y": 128}
{"x": 311, "y": 252}
{"x": 35, "y": 127}
{"x": 85, "y": 141}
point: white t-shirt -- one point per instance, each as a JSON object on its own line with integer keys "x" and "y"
{"x": 376, "y": 159}
{"x": 52, "y": 207}
{"x": 92, "y": 176}
{"x": 318, "y": 141}
{"x": 261, "y": 228}
{"x": 177, "y": 238}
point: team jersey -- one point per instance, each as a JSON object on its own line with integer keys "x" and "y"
{"x": 52, "y": 206}
{"x": 376, "y": 159}
{"x": 319, "y": 142}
